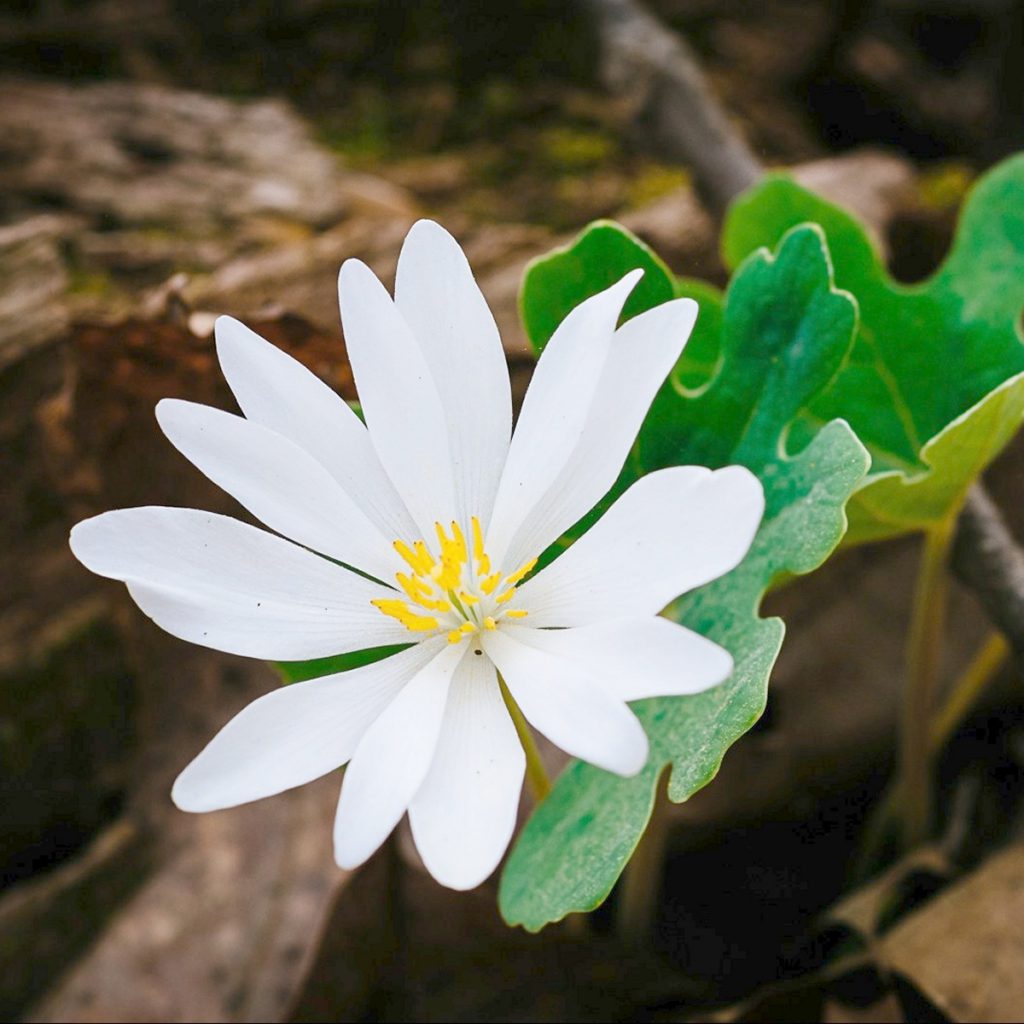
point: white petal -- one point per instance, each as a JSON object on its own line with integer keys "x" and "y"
{"x": 569, "y": 706}
{"x": 278, "y": 392}
{"x": 439, "y": 298}
{"x": 643, "y": 352}
{"x": 670, "y": 532}
{"x": 222, "y": 584}
{"x": 391, "y": 761}
{"x": 279, "y": 483}
{"x": 637, "y": 658}
{"x": 294, "y": 734}
{"x": 553, "y": 416}
{"x": 464, "y": 814}
{"x": 406, "y": 420}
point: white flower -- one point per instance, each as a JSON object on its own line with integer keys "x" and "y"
{"x": 433, "y": 499}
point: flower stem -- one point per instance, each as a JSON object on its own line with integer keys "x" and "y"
{"x": 641, "y": 881}
{"x": 924, "y": 651}
{"x": 536, "y": 774}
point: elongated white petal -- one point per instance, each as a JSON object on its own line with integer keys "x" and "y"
{"x": 294, "y": 734}
{"x": 278, "y": 392}
{"x": 642, "y": 353}
{"x": 392, "y": 760}
{"x": 222, "y": 584}
{"x": 569, "y": 706}
{"x": 464, "y": 814}
{"x": 670, "y": 532}
{"x": 279, "y": 483}
{"x": 403, "y": 409}
{"x": 440, "y": 300}
{"x": 637, "y": 658}
{"x": 553, "y": 417}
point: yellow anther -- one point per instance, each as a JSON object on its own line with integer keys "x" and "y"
{"x": 405, "y": 615}
{"x": 521, "y": 572}
{"x": 464, "y": 630}
{"x": 425, "y": 556}
{"x": 437, "y": 584}
{"x": 488, "y": 585}
{"x": 459, "y": 539}
{"x": 413, "y": 586}
{"x": 453, "y": 557}
{"x": 478, "y": 540}
{"x": 414, "y": 559}
{"x": 449, "y": 545}
{"x": 419, "y": 592}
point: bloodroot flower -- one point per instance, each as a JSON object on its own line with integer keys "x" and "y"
{"x": 424, "y": 527}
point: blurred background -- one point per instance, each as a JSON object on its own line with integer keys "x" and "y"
{"x": 165, "y": 161}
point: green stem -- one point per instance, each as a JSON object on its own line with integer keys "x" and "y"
{"x": 536, "y": 774}
{"x": 986, "y": 663}
{"x": 924, "y": 652}
{"x": 641, "y": 881}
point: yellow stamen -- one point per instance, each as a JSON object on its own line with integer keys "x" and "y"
{"x": 442, "y": 537}
{"x": 405, "y": 615}
{"x": 464, "y": 630}
{"x": 459, "y": 538}
{"x": 413, "y": 586}
{"x": 521, "y": 572}
{"x": 488, "y": 585}
{"x": 415, "y": 558}
{"x": 440, "y": 583}
{"x": 415, "y": 589}
{"x": 424, "y": 553}
{"x": 453, "y": 557}
{"x": 478, "y": 540}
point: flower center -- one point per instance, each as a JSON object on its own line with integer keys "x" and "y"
{"x": 451, "y": 590}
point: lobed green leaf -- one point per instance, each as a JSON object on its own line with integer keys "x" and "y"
{"x": 935, "y": 383}
{"x": 756, "y": 363}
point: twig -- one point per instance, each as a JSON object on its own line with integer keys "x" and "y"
{"x": 648, "y": 62}
{"x": 655, "y": 70}
{"x": 988, "y": 560}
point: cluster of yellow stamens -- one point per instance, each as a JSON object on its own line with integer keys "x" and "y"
{"x": 453, "y": 590}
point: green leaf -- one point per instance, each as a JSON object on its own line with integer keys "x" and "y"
{"x": 598, "y": 258}
{"x": 782, "y": 334}
{"x": 935, "y": 384}
{"x": 298, "y": 671}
